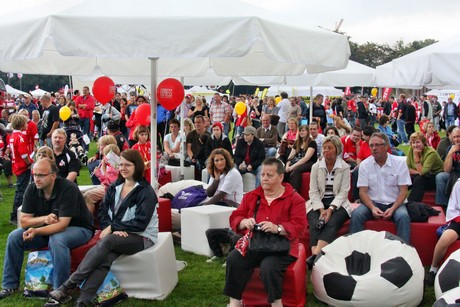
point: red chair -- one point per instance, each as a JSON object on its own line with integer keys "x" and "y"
{"x": 164, "y": 215}
{"x": 423, "y": 235}
{"x": 165, "y": 178}
{"x": 429, "y": 198}
{"x": 294, "y": 285}
{"x": 452, "y": 248}
{"x": 77, "y": 254}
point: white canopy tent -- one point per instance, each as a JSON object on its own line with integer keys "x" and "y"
{"x": 304, "y": 91}
{"x": 164, "y": 38}
{"x": 37, "y": 93}
{"x": 11, "y": 90}
{"x": 435, "y": 66}
{"x": 355, "y": 74}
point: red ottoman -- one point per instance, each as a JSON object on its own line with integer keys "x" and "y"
{"x": 77, "y": 254}
{"x": 164, "y": 215}
{"x": 294, "y": 285}
{"x": 429, "y": 198}
{"x": 165, "y": 178}
{"x": 422, "y": 235}
{"x": 452, "y": 248}
{"x": 305, "y": 187}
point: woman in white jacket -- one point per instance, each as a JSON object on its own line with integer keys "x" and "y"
{"x": 328, "y": 207}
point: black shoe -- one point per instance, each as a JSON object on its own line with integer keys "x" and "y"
{"x": 310, "y": 262}
{"x": 62, "y": 294}
{"x": 429, "y": 278}
{"x": 7, "y": 292}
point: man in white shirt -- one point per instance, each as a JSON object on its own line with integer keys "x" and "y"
{"x": 317, "y": 137}
{"x": 383, "y": 183}
{"x": 283, "y": 110}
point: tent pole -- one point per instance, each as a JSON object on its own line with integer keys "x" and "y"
{"x": 311, "y": 106}
{"x": 182, "y": 141}
{"x": 153, "y": 122}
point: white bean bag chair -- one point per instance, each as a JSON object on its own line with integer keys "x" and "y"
{"x": 368, "y": 268}
{"x": 448, "y": 277}
{"x": 174, "y": 187}
{"x": 450, "y": 298}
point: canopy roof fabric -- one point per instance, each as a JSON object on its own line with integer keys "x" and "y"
{"x": 11, "y": 90}
{"x": 75, "y": 37}
{"x": 435, "y": 66}
{"x": 304, "y": 91}
{"x": 355, "y": 74}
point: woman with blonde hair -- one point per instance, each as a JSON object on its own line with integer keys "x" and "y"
{"x": 107, "y": 173}
{"x": 94, "y": 161}
{"x": 198, "y": 109}
{"x": 288, "y": 139}
{"x": 45, "y": 152}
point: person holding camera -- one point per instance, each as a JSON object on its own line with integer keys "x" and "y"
{"x": 328, "y": 207}
{"x": 280, "y": 212}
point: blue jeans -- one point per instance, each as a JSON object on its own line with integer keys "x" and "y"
{"x": 450, "y": 120}
{"x": 402, "y": 135}
{"x": 441, "y": 186}
{"x": 270, "y": 151}
{"x": 400, "y": 217}
{"x": 84, "y": 123}
{"x": 22, "y": 181}
{"x": 226, "y": 127}
{"x": 59, "y": 245}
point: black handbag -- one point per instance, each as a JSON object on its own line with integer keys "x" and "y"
{"x": 267, "y": 243}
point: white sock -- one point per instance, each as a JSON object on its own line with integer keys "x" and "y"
{"x": 434, "y": 269}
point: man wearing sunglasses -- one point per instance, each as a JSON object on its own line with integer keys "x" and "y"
{"x": 54, "y": 215}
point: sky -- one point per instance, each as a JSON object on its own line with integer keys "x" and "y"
{"x": 376, "y": 21}
{"x": 363, "y": 20}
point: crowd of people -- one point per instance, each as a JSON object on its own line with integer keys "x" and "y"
{"x": 354, "y": 137}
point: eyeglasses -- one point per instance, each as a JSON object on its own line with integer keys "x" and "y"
{"x": 41, "y": 176}
{"x": 123, "y": 165}
{"x": 376, "y": 145}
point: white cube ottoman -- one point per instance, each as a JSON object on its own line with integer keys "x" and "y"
{"x": 249, "y": 182}
{"x": 151, "y": 273}
{"x": 194, "y": 223}
{"x": 189, "y": 172}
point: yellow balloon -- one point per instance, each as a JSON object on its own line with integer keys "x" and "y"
{"x": 240, "y": 108}
{"x": 277, "y": 99}
{"x": 374, "y": 92}
{"x": 452, "y": 96}
{"x": 64, "y": 113}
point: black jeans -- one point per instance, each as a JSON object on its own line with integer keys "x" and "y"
{"x": 217, "y": 236}
{"x": 99, "y": 259}
{"x": 240, "y": 269}
{"x": 420, "y": 184}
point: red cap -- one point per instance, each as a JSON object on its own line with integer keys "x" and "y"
{"x": 218, "y": 124}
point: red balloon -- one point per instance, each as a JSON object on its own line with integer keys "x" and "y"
{"x": 142, "y": 115}
{"x": 170, "y": 93}
{"x": 104, "y": 89}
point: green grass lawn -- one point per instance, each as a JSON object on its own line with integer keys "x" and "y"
{"x": 200, "y": 283}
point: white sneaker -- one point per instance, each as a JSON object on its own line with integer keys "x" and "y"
{"x": 212, "y": 259}
{"x": 225, "y": 264}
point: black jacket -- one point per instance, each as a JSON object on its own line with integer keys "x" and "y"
{"x": 135, "y": 212}
{"x": 213, "y": 143}
{"x": 256, "y": 152}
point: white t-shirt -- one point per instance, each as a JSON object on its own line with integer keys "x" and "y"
{"x": 283, "y": 107}
{"x": 232, "y": 184}
{"x": 170, "y": 142}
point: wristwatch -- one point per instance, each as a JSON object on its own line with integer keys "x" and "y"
{"x": 332, "y": 207}
{"x": 279, "y": 229}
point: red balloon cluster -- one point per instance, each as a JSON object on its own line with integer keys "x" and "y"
{"x": 170, "y": 93}
{"x": 142, "y": 114}
{"x": 104, "y": 89}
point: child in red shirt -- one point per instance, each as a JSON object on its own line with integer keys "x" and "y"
{"x": 142, "y": 136}
{"x": 21, "y": 160}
